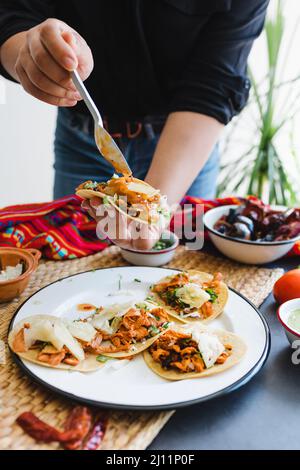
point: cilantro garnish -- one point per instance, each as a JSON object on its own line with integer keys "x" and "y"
{"x": 213, "y": 295}
{"x": 162, "y": 245}
{"x": 105, "y": 201}
{"x": 153, "y": 330}
{"x": 91, "y": 185}
{"x": 102, "y": 359}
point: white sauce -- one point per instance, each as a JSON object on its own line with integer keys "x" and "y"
{"x": 11, "y": 272}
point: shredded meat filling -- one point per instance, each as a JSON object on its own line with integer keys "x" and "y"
{"x": 120, "y": 186}
{"x": 19, "y": 342}
{"x": 135, "y": 327}
{"x": 137, "y": 204}
{"x": 50, "y": 355}
{"x": 166, "y": 290}
{"x": 52, "y": 359}
{"x": 180, "y": 352}
{"x": 178, "y": 280}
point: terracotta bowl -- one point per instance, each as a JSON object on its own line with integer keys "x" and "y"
{"x": 11, "y": 257}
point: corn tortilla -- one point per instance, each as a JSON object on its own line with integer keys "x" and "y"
{"x": 89, "y": 364}
{"x": 217, "y": 307}
{"x": 238, "y": 351}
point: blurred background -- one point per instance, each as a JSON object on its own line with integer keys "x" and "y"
{"x": 260, "y": 149}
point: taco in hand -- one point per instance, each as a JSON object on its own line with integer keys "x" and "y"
{"x": 50, "y": 341}
{"x": 130, "y": 331}
{"x": 190, "y": 351}
{"x": 131, "y": 197}
{"x": 192, "y": 296}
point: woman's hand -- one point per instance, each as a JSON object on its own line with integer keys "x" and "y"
{"x": 120, "y": 229}
{"x": 46, "y": 56}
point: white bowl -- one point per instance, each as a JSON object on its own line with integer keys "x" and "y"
{"x": 283, "y": 313}
{"x": 244, "y": 251}
{"x": 152, "y": 258}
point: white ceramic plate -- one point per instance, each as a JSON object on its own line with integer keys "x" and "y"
{"x": 135, "y": 386}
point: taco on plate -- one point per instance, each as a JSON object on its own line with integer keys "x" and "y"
{"x": 192, "y": 296}
{"x": 191, "y": 351}
{"x": 50, "y": 341}
{"x": 128, "y": 331}
{"x": 131, "y": 197}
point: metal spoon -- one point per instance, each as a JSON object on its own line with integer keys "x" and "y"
{"x": 105, "y": 143}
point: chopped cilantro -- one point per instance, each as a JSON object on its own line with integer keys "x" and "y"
{"x": 105, "y": 200}
{"x": 171, "y": 297}
{"x": 145, "y": 307}
{"x": 142, "y": 306}
{"x": 153, "y": 330}
{"x": 213, "y": 295}
{"x": 166, "y": 326}
{"x": 91, "y": 185}
{"x": 137, "y": 280}
{"x": 162, "y": 245}
{"x": 164, "y": 212}
{"x": 102, "y": 359}
{"x": 185, "y": 341}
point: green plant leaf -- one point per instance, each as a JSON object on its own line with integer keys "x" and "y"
{"x": 260, "y": 169}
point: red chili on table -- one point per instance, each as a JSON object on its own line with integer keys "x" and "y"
{"x": 96, "y": 436}
{"x": 81, "y": 431}
{"x": 76, "y": 428}
{"x": 37, "y": 429}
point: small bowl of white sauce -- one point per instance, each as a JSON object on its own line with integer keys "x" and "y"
{"x": 289, "y": 316}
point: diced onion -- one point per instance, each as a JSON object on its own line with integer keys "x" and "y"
{"x": 82, "y": 330}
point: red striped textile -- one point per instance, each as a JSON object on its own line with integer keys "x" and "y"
{"x": 62, "y": 230}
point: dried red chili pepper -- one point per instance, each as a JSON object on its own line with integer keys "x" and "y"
{"x": 77, "y": 427}
{"x": 96, "y": 435}
{"x": 79, "y": 431}
{"x": 37, "y": 429}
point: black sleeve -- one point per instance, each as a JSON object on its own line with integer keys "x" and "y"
{"x": 215, "y": 81}
{"x": 20, "y": 15}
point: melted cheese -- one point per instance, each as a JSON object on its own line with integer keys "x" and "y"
{"x": 54, "y": 332}
{"x": 82, "y": 330}
{"x": 192, "y": 295}
{"x": 101, "y": 320}
{"x": 209, "y": 346}
{"x": 142, "y": 188}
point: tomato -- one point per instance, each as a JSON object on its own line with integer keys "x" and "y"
{"x": 287, "y": 287}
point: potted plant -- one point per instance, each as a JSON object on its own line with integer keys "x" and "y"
{"x": 260, "y": 170}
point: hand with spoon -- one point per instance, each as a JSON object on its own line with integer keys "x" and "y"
{"x": 42, "y": 58}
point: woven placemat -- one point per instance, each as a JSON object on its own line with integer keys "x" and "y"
{"x": 126, "y": 430}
